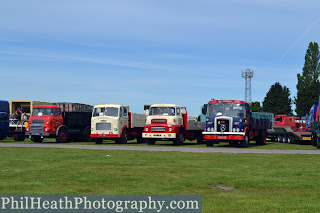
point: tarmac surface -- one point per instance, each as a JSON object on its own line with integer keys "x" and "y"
{"x": 166, "y": 149}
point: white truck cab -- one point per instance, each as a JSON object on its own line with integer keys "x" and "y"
{"x": 115, "y": 122}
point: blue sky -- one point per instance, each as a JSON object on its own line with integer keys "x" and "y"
{"x": 144, "y": 51}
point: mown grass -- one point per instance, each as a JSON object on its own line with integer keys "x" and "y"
{"x": 227, "y": 182}
{"x": 270, "y": 145}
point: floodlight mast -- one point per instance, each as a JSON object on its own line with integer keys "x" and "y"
{"x": 247, "y": 75}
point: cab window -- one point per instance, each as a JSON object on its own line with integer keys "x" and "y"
{"x": 178, "y": 111}
{"x": 57, "y": 112}
{"x": 125, "y": 111}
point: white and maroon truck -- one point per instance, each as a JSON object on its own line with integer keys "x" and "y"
{"x": 170, "y": 122}
{"x": 115, "y": 122}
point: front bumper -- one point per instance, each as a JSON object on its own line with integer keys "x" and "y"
{"x": 228, "y": 136}
{"x": 159, "y": 135}
{"x": 37, "y": 134}
{"x": 104, "y": 136}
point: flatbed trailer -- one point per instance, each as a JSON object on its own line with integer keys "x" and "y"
{"x": 285, "y": 134}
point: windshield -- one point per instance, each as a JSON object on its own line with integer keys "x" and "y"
{"x": 232, "y": 110}
{"x": 107, "y": 111}
{"x": 162, "y": 111}
{"x": 42, "y": 112}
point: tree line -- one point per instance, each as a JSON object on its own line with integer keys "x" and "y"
{"x": 278, "y": 99}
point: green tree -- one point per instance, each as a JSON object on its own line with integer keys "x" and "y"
{"x": 256, "y": 107}
{"x": 308, "y": 86}
{"x": 278, "y": 100}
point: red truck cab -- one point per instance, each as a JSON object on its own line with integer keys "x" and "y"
{"x": 44, "y": 122}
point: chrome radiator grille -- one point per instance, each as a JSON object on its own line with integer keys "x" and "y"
{"x": 158, "y": 129}
{"x": 103, "y": 126}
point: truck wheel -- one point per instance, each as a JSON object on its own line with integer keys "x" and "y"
{"x": 36, "y": 139}
{"x": 314, "y": 140}
{"x": 262, "y": 138}
{"x": 1, "y": 135}
{"x": 200, "y": 140}
{"x": 124, "y": 137}
{"x": 62, "y": 136}
{"x": 318, "y": 142}
{"x": 151, "y": 141}
{"x": 284, "y": 139}
{"x": 87, "y": 137}
{"x": 245, "y": 142}
{"x": 279, "y": 139}
{"x": 140, "y": 140}
{"x": 209, "y": 144}
{"x": 289, "y": 139}
{"x": 98, "y": 140}
{"x": 179, "y": 139}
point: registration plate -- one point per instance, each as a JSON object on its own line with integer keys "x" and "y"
{"x": 222, "y": 137}
{"x": 102, "y": 135}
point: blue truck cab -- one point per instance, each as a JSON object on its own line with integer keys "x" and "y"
{"x": 233, "y": 121}
{"x": 4, "y": 119}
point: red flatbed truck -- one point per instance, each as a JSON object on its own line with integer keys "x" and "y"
{"x": 170, "y": 122}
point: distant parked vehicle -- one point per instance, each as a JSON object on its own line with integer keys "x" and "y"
{"x": 4, "y": 119}
{"x": 289, "y": 129}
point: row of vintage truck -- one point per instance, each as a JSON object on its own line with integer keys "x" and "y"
{"x": 229, "y": 121}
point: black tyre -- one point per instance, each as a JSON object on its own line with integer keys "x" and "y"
{"x": 314, "y": 139}
{"x": 262, "y": 138}
{"x": 245, "y": 141}
{"x": 98, "y": 140}
{"x": 124, "y": 137}
{"x": 200, "y": 140}
{"x": 209, "y": 143}
{"x": 151, "y": 141}
{"x": 179, "y": 139}
{"x": 1, "y": 135}
{"x": 87, "y": 136}
{"x": 318, "y": 142}
{"x": 36, "y": 139}
{"x": 140, "y": 140}
{"x": 62, "y": 136}
{"x": 279, "y": 139}
{"x": 289, "y": 139}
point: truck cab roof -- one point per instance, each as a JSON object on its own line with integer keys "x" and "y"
{"x": 110, "y": 105}
{"x": 164, "y": 105}
{"x": 227, "y": 102}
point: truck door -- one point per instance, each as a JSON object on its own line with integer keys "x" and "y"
{"x": 179, "y": 116}
{"x": 124, "y": 118}
{"x": 57, "y": 119}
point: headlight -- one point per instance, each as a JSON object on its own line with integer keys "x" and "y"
{"x": 147, "y": 129}
{"x": 234, "y": 129}
{"x": 92, "y": 128}
{"x": 238, "y": 130}
{"x": 170, "y": 129}
{"x": 212, "y": 129}
{"x": 47, "y": 129}
{"x": 209, "y": 129}
{"x": 115, "y": 129}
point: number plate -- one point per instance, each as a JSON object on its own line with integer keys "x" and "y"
{"x": 222, "y": 137}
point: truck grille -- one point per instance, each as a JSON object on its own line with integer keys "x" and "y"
{"x": 103, "y": 126}
{"x": 223, "y": 125}
{"x": 38, "y": 121}
{"x": 36, "y": 128}
{"x": 158, "y": 129}
{"x": 158, "y": 121}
